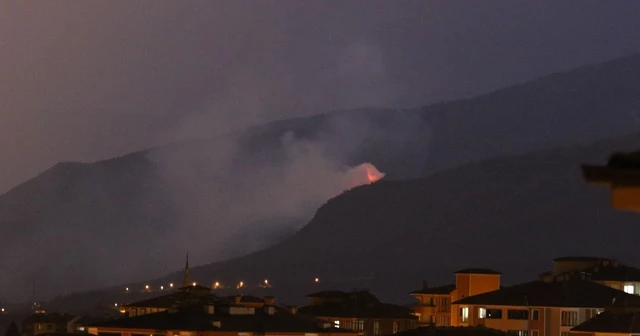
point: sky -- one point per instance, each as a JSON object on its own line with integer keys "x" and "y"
{"x": 89, "y": 80}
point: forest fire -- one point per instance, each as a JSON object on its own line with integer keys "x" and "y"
{"x": 365, "y": 173}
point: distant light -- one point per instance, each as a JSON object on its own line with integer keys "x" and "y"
{"x": 126, "y": 289}
{"x": 194, "y": 284}
{"x": 2, "y": 310}
{"x": 317, "y": 280}
{"x": 216, "y": 285}
{"x": 266, "y": 282}
{"x": 161, "y": 287}
{"x": 115, "y": 304}
{"x": 146, "y": 287}
{"x": 171, "y": 285}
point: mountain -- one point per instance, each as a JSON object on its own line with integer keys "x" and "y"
{"x": 78, "y": 226}
{"x": 513, "y": 214}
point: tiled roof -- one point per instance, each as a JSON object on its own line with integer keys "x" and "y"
{"x": 611, "y": 272}
{"x": 446, "y": 289}
{"x": 339, "y": 309}
{"x": 477, "y": 271}
{"x": 612, "y": 322}
{"x": 195, "y": 318}
{"x": 452, "y": 331}
{"x": 570, "y": 293}
{"x": 361, "y": 304}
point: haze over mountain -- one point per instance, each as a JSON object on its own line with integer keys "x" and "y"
{"x": 134, "y": 217}
{"x": 501, "y": 214}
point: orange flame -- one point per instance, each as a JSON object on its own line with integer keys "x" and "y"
{"x": 365, "y": 173}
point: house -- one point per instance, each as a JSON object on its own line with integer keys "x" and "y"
{"x": 46, "y": 323}
{"x": 434, "y": 303}
{"x": 360, "y": 311}
{"x": 612, "y": 322}
{"x": 544, "y": 307}
{"x": 219, "y": 319}
{"x": 622, "y": 175}
{"x": 608, "y": 272}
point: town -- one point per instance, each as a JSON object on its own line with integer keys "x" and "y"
{"x": 580, "y": 295}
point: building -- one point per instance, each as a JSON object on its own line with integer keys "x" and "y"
{"x": 539, "y": 308}
{"x": 452, "y": 331}
{"x": 612, "y": 322}
{"x": 622, "y": 175}
{"x": 608, "y": 272}
{"x": 360, "y": 311}
{"x": 47, "y": 323}
{"x": 434, "y": 303}
{"x": 219, "y": 319}
{"x": 189, "y": 293}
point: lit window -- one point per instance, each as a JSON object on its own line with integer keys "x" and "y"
{"x": 464, "y": 315}
{"x": 376, "y": 328}
{"x": 482, "y": 313}
{"x": 630, "y": 289}
{"x": 336, "y": 324}
{"x": 395, "y": 327}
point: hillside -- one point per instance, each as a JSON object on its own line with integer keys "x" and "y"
{"x": 513, "y": 214}
{"x": 133, "y": 217}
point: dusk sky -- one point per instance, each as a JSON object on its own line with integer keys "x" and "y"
{"x": 89, "y": 80}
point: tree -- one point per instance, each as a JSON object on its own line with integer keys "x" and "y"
{"x": 12, "y": 330}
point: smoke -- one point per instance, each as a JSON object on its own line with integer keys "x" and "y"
{"x": 233, "y": 199}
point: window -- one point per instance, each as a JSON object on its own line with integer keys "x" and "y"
{"x": 495, "y": 314}
{"x": 518, "y": 314}
{"x": 464, "y": 314}
{"x": 444, "y": 321}
{"x": 376, "y": 327}
{"x": 534, "y": 333}
{"x": 49, "y": 326}
{"x": 336, "y": 324}
{"x": 358, "y": 325}
{"x": 39, "y": 326}
{"x": 432, "y": 319}
{"x": 629, "y": 289}
{"x": 518, "y": 332}
{"x": 569, "y": 318}
{"x": 535, "y": 315}
{"x": 482, "y": 313}
{"x": 564, "y": 333}
{"x": 395, "y": 327}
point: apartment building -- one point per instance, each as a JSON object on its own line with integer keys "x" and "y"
{"x": 360, "y": 311}
{"x": 539, "y": 308}
{"x": 434, "y": 303}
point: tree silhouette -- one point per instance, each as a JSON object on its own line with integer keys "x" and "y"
{"x": 12, "y": 330}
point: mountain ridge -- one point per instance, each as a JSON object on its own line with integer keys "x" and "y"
{"x": 164, "y": 194}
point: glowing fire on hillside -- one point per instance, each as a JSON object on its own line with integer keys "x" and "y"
{"x": 365, "y": 173}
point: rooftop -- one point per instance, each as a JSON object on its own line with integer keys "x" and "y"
{"x": 608, "y": 272}
{"x": 570, "y": 293}
{"x": 360, "y": 304}
{"x": 612, "y": 322}
{"x": 446, "y": 289}
{"x": 452, "y": 331}
{"x": 197, "y": 318}
{"x": 477, "y": 271}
